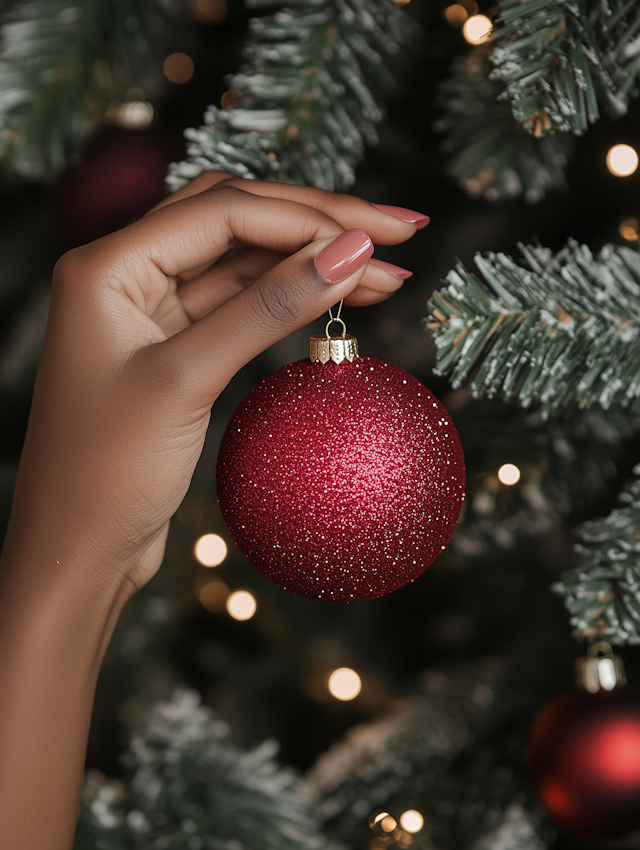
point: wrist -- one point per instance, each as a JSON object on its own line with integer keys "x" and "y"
{"x": 55, "y": 579}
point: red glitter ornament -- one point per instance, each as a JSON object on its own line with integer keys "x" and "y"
{"x": 584, "y": 755}
{"x": 341, "y": 480}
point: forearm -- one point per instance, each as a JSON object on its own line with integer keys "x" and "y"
{"x": 56, "y": 620}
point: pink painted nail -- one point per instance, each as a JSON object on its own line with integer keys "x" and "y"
{"x": 344, "y": 256}
{"x": 398, "y": 271}
{"x": 410, "y": 216}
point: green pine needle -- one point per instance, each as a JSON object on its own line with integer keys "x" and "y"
{"x": 561, "y": 332}
{"x": 491, "y": 155}
{"x": 60, "y": 67}
{"x": 561, "y": 61}
{"x": 308, "y": 96}
{"x": 191, "y": 789}
{"x": 603, "y": 592}
{"x": 566, "y": 464}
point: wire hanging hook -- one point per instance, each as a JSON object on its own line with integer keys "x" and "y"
{"x": 336, "y": 318}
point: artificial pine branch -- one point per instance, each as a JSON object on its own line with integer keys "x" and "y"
{"x": 491, "y": 155}
{"x": 603, "y": 592}
{"x": 560, "y": 332}
{"x": 566, "y": 463}
{"x": 442, "y": 753}
{"x": 191, "y": 789}
{"x": 559, "y": 60}
{"x": 61, "y": 64}
{"x": 308, "y": 95}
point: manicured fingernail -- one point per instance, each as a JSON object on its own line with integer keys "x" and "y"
{"x": 411, "y": 216}
{"x": 344, "y": 256}
{"x": 398, "y": 271}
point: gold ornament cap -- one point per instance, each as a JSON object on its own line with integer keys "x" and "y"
{"x": 322, "y": 349}
{"x": 600, "y": 669}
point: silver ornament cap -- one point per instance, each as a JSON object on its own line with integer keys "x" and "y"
{"x": 600, "y": 669}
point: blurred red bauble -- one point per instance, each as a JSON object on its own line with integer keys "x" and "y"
{"x": 341, "y": 481}
{"x": 584, "y": 760}
{"x": 121, "y": 176}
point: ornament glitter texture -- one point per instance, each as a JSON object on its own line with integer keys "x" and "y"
{"x": 340, "y": 480}
{"x": 584, "y": 751}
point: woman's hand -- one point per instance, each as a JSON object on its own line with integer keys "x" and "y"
{"x": 146, "y": 328}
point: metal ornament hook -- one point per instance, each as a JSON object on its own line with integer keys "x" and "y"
{"x": 330, "y": 322}
{"x": 337, "y": 318}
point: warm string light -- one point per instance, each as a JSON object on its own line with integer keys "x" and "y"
{"x": 344, "y": 684}
{"x": 210, "y": 550}
{"x": 213, "y": 595}
{"x": 509, "y": 474}
{"x": 456, "y": 14}
{"x": 622, "y": 160}
{"x": 241, "y": 605}
{"x": 209, "y": 11}
{"x": 231, "y": 98}
{"x": 390, "y": 832}
{"x": 630, "y": 229}
{"x": 178, "y": 68}
{"x": 411, "y": 821}
{"x": 477, "y": 29}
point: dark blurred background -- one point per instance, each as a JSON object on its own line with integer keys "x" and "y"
{"x": 267, "y": 675}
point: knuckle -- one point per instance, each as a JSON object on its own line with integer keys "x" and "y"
{"x": 203, "y": 180}
{"x": 72, "y": 269}
{"x": 274, "y": 301}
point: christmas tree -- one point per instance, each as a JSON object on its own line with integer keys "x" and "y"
{"x": 217, "y": 723}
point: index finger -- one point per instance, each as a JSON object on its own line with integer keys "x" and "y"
{"x": 386, "y": 225}
{"x": 196, "y": 231}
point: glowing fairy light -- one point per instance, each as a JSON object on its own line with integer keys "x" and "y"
{"x": 178, "y": 68}
{"x": 455, "y": 15}
{"x": 383, "y": 821}
{"x": 509, "y": 474}
{"x": 622, "y": 160}
{"x": 344, "y": 684}
{"x": 477, "y": 29}
{"x": 241, "y": 605}
{"x": 411, "y": 821}
{"x": 210, "y": 550}
{"x": 213, "y": 595}
{"x": 630, "y": 229}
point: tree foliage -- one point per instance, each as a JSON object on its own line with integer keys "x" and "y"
{"x": 307, "y": 100}
{"x": 562, "y": 331}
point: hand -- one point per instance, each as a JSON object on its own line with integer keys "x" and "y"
{"x": 146, "y": 328}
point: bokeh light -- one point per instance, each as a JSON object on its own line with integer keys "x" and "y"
{"x": 178, "y": 68}
{"x": 383, "y": 821}
{"x": 630, "y": 229}
{"x": 209, "y": 11}
{"x": 135, "y": 114}
{"x": 622, "y": 160}
{"x": 477, "y": 29}
{"x": 231, "y": 98}
{"x": 411, "y": 821}
{"x": 241, "y": 605}
{"x": 210, "y": 550}
{"x": 509, "y": 474}
{"x": 456, "y": 15}
{"x": 344, "y": 684}
{"x": 213, "y": 595}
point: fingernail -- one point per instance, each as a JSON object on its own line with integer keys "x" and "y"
{"x": 398, "y": 271}
{"x": 410, "y": 216}
{"x": 344, "y": 256}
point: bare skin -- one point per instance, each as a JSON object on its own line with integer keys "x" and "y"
{"x": 145, "y": 330}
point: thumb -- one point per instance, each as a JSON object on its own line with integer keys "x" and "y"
{"x": 287, "y": 297}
